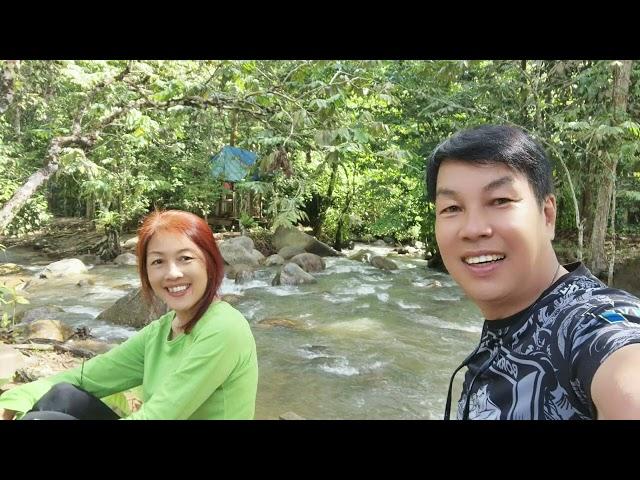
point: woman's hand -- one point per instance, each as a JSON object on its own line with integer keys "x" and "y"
{"x": 8, "y": 414}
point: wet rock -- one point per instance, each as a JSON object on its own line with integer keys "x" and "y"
{"x": 133, "y": 311}
{"x": 64, "y": 268}
{"x": 280, "y": 322}
{"x": 126, "y": 259}
{"x": 291, "y": 251}
{"x": 292, "y": 274}
{"x": 49, "y": 331}
{"x": 362, "y": 256}
{"x": 383, "y": 263}
{"x": 39, "y": 313}
{"x": 309, "y": 262}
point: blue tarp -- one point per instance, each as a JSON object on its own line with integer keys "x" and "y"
{"x": 232, "y": 163}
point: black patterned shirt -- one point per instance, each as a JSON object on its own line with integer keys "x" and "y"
{"x": 539, "y": 363}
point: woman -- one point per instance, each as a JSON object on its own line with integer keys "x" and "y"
{"x": 198, "y": 361}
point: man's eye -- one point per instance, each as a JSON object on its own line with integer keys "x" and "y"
{"x": 451, "y": 209}
{"x": 501, "y": 201}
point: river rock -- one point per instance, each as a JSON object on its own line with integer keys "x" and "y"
{"x": 290, "y": 251}
{"x": 383, "y": 263}
{"x": 49, "y": 331}
{"x": 133, "y": 311}
{"x": 290, "y": 236}
{"x": 39, "y": 313}
{"x": 64, "y": 268}
{"x": 309, "y": 262}
{"x": 292, "y": 274}
{"x": 126, "y": 259}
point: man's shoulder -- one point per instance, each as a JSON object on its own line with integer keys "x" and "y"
{"x": 582, "y": 296}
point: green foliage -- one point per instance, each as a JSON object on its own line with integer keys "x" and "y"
{"x": 353, "y": 134}
{"x": 9, "y": 298}
{"x": 109, "y": 221}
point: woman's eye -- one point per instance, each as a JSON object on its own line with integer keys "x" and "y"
{"x": 157, "y": 261}
{"x": 186, "y": 258}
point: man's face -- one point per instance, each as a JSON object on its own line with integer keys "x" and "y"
{"x": 493, "y": 237}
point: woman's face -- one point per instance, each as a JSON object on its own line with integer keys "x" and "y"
{"x": 177, "y": 272}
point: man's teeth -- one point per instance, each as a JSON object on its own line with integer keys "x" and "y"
{"x": 483, "y": 259}
{"x": 178, "y": 289}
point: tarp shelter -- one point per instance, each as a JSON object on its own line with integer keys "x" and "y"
{"x": 232, "y": 164}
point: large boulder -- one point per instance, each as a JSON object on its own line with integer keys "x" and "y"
{"x": 133, "y": 311}
{"x": 292, "y": 274}
{"x": 309, "y": 262}
{"x": 49, "y": 331}
{"x": 295, "y": 238}
{"x": 241, "y": 273}
{"x": 383, "y": 263}
{"x": 363, "y": 255}
{"x": 235, "y": 253}
{"x": 290, "y": 251}
{"x": 126, "y": 259}
{"x": 64, "y": 268}
{"x": 245, "y": 242}
{"x": 258, "y": 255}
{"x": 39, "y": 313}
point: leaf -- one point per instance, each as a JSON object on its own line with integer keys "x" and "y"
{"x": 21, "y": 300}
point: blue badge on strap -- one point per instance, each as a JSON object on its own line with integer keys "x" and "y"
{"x": 612, "y": 316}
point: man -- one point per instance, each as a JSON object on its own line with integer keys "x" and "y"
{"x": 556, "y": 343}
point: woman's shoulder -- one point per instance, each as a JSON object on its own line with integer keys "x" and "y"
{"x": 220, "y": 317}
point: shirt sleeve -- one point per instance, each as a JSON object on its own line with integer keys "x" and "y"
{"x": 114, "y": 371}
{"x": 599, "y": 334}
{"x": 211, "y": 359}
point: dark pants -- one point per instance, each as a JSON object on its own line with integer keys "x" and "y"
{"x": 68, "y": 402}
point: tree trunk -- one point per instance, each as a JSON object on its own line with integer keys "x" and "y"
{"x": 326, "y": 201}
{"x": 620, "y": 95}
{"x": 7, "y": 84}
{"x": 234, "y": 128}
{"x": 612, "y": 260}
{"x": 24, "y": 193}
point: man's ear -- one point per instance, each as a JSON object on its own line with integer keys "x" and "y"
{"x": 549, "y": 211}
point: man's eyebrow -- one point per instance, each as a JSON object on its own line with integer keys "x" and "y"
{"x": 447, "y": 192}
{"x": 500, "y": 182}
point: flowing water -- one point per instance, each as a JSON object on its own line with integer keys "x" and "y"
{"x": 361, "y": 343}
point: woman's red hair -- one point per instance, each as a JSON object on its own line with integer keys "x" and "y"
{"x": 196, "y": 230}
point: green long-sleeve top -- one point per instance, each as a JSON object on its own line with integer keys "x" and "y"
{"x": 209, "y": 373}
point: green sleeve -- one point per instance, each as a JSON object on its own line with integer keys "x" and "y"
{"x": 211, "y": 359}
{"x": 114, "y": 371}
